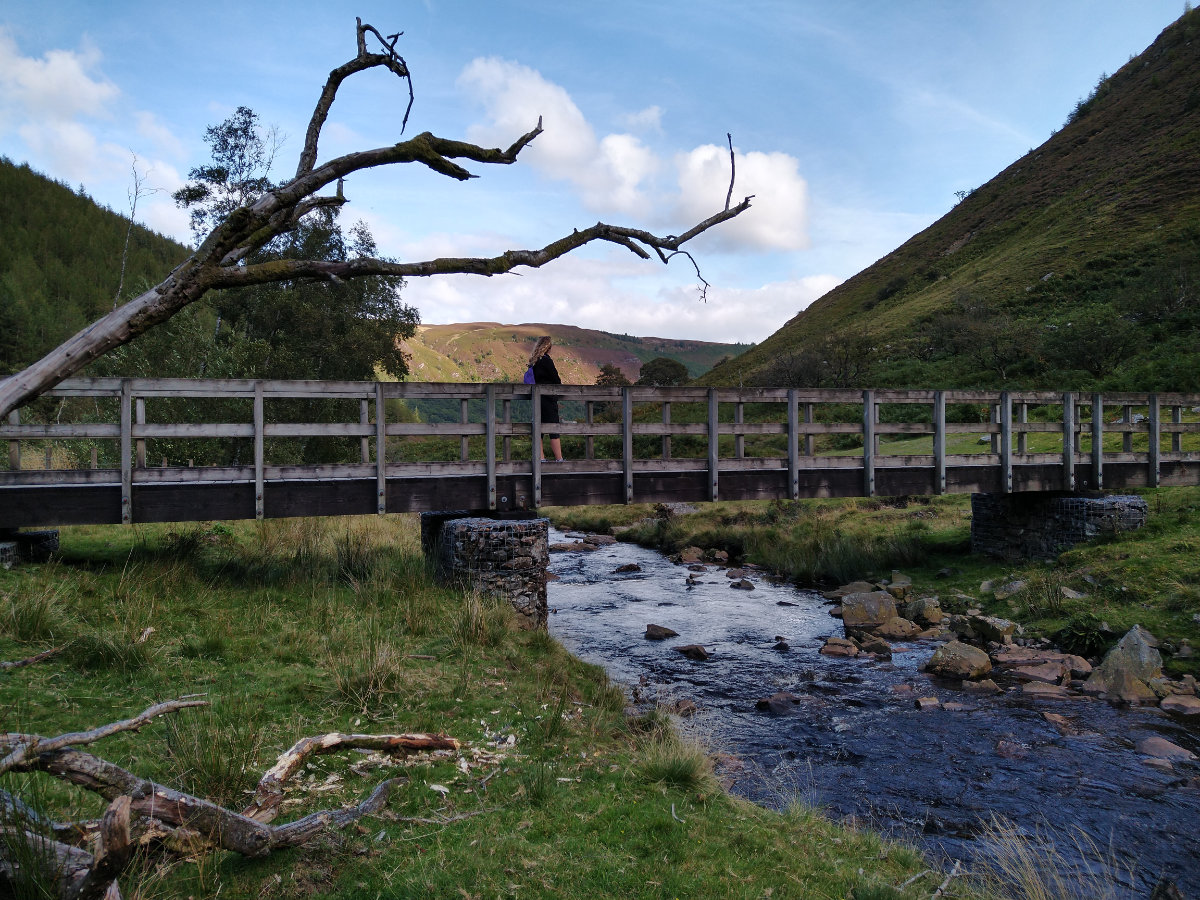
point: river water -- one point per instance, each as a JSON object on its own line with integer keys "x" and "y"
{"x": 855, "y": 744}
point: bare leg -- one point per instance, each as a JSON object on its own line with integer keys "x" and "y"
{"x": 556, "y": 448}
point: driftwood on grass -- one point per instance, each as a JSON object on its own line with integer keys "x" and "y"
{"x": 145, "y": 814}
{"x": 7, "y": 664}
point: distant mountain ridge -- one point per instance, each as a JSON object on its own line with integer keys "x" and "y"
{"x": 489, "y": 351}
{"x": 1078, "y": 266}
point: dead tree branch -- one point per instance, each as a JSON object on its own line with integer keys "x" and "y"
{"x": 219, "y": 262}
{"x": 267, "y": 796}
{"x": 5, "y": 665}
{"x": 144, "y": 813}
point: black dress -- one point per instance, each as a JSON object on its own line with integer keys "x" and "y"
{"x": 544, "y": 372}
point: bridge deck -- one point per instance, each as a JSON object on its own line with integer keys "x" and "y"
{"x": 629, "y": 445}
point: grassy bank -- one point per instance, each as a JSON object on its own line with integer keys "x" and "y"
{"x": 1149, "y": 577}
{"x": 301, "y": 627}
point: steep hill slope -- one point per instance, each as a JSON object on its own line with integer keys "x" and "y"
{"x": 60, "y": 262}
{"x": 1077, "y": 266}
{"x": 487, "y": 351}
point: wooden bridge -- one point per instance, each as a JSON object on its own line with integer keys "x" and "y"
{"x": 109, "y": 461}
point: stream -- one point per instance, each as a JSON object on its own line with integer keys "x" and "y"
{"x": 855, "y": 744}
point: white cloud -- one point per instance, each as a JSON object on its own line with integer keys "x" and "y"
{"x": 56, "y": 87}
{"x": 611, "y": 174}
{"x": 778, "y": 215}
{"x": 618, "y": 173}
{"x": 149, "y": 127}
{"x": 648, "y": 119}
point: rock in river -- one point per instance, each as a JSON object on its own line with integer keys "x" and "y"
{"x": 958, "y": 660}
{"x": 659, "y": 633}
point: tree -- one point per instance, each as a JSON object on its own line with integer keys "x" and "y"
{"x": 226, "y": 258}
{"x": 611, "y": 376}
{"x": 662, "y": 371}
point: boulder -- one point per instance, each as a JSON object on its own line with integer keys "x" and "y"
{"x": 868, "y": 610}
{"x": 899, "y": 585}
{"x": 691, "y": 555}
{"x": 742, "y": 584}
{"x": 839, "y": 647}
{"x": 717, "y": 556}
{"x": 685, "y": 708}
{"x": 628, "y": 567}
{"x": 991, "y": 628}
{"x": 877, "y": 646}
{"x": 659, "y": 633}
{"x": 961, "y": 627}
{"x": 983, "y": 686}
{"x": 692, "y": 651}
{"x": 855, "y": 587}
{"x": 1009, "y": 589}
{"x": 1161, "y": 748}
{"x": 1038, "y": 690}
{"x": 735, "y": 573}
{"x": 924, "y": 611}
{"x": 1183, "y": 704}
{"x": 781, "y": 647}
{"x": 959, "y": 660}
{"x": 780, "y": 703}
{"x": 1045, "y": 673}
{"x": 1128, "y": 668}
{"x": 924, "y": 703}
{"x": 898, "y": 629}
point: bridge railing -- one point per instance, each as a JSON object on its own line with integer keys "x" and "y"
{"x": 723, "y": 442}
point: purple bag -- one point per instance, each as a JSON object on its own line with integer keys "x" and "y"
{"x": 529, "y": 379}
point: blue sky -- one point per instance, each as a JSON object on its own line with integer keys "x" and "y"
{"x": 854, "y": 123}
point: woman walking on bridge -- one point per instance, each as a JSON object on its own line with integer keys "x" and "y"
{"x": 543, "y": 371}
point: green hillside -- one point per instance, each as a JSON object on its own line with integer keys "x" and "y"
{"x": 60, "y": 262}
{"x": 487, "y": 351}
{"x": 1078, "y": 266}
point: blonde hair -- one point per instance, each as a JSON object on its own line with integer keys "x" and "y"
{"x": 540, "y": 349}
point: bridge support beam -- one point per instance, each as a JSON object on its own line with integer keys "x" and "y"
{"x": 1042, "y": 525}
{"x": 497, "y": 556}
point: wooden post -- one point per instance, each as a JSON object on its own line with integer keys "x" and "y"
{"x": 1006, "y": 469}
{"x": 259, "y": 450}
{"x": 14, "y": 446}
{"x": 666, "y": 441}
{"x": 793, "y": 445}
{"x": 939, "y": 442}
{"x": 1023, "y": 418}
{"x": 809, "y": 439}
{"x": 714, "y": 449}
{"x": 995, "y": 442}
{"x": 1176, "y": 437}
{"x": 627, "y": 441}
{"x": 464, "y": 442}
{"x": 1155, "y": 441}
{"x": 140, "y": 411}
{"x": 589, "y": 442}
{"x": 364, "y": 418}
{"x": 868, "y": 432}
{"x": 739, "y": 439}
{"x": 507, "y": 437}
{"x": 535, "y": 458}
{"x": 1097, "y": 442}
{"x": 380, "y": 449}
{"x": 126, "y": 452}
{"x": 49, "y": 453}
{"x": 489, "y": 428}
{"x": 96, "y": 459}
{"x": 1127, "y": 438}
{"x": 1068, "y": 445}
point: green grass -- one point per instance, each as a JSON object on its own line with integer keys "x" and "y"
{"x": 297, "y": 628}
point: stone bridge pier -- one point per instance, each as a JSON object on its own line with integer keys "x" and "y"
{"x": 1042, "y": 525}
{"x": 500, "y": 555}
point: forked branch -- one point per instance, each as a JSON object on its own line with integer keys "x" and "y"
{"x": 221, "y": 260}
